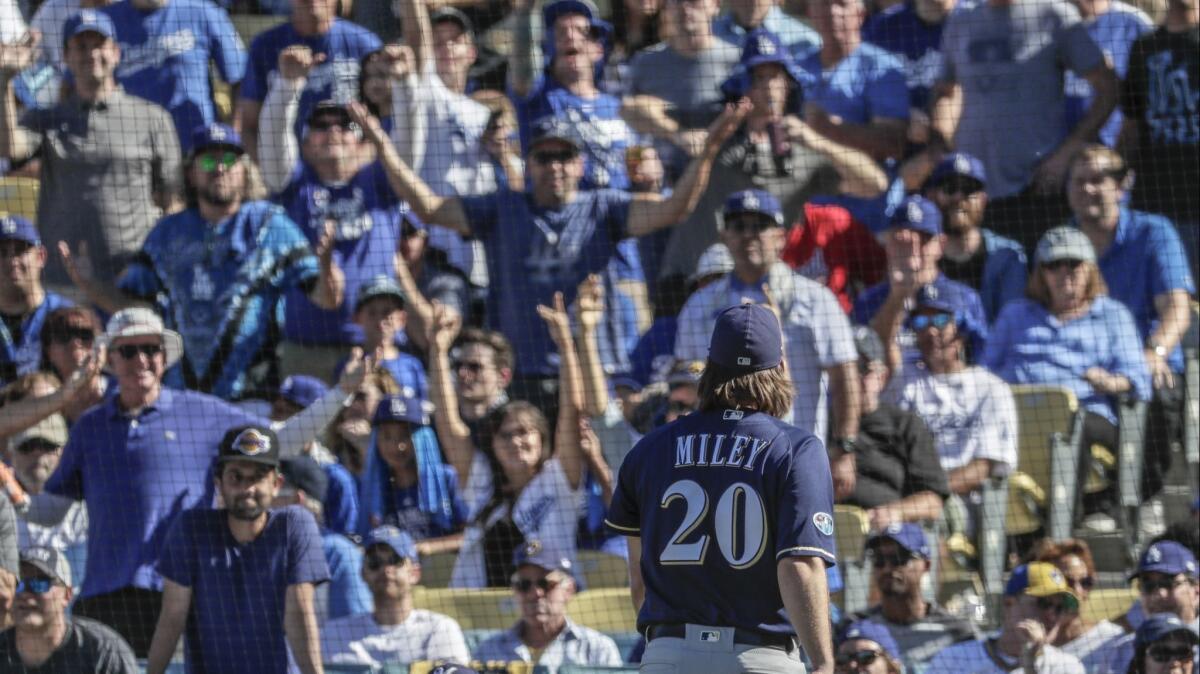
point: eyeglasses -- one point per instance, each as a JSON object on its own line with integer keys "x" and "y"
{"x": 1048, "y": 604}
{"x": 1152, "y": 586}
{"x": 549, "y": 156}
{"x": 474, "y": 367}
{"x": 862, "y": 658}
{"x": 525, "y": 585}
{"x": 749, "y": 225}
{"x": 35, "y": 585}
{"x": 68, "y": 335}
{"x": 131, "y": 351}
{"x": 37, "y": 445}
{"x": 960, "y": 185}
{"x": 379, "y": 561}
{"x": 329, "y": 124}
{"x": 1058, "y": 265}
{"x": 1164, "y": 654}
{"x": 938, "y": 321}
{"x": 209, "y": 161}
{"x": 898, "y": 559}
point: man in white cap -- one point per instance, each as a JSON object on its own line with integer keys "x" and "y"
{"x": 45, "y": 638}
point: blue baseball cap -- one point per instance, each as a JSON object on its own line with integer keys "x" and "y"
{"x": 959, "y": 164}
{"x": 761, "y": 202}
{"x": 1162, "y": 625}
{"x": 905, "y": 534}
{"x": 918, "y": 214}
{"x": 551, "y": 11}
{"x": 628, "y": 380}
{"x": 1040, "y": 579}
{"x": 395, "y": 539}
{"x": 88, "y": 21}
{"x": 216, "y": 136}
{"x": 534, "y": 553}
{"x": 379, "y": 286}
{"x": 763, "y": 46}
{"x": 302, "y": 390}
{"x": 17, "y": 228}
{"x": 550, "y": 128}
{"x": 402, "y": 407}
{"x": 871, "y": 631}
{"x": 1166, "y": 557}
{"x": 746, "y": 338}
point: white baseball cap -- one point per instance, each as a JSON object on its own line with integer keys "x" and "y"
{"x": 140, "y": 322}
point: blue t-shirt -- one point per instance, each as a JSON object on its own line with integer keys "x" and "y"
{"x": 1145, "y": 259}
{"x": 21, "y": 355}
{"x": 1114, "y": 31}
{"x": 368, "y": 218}
{"x": 598, "y": 123}
{"x": 917, "y": 44}
{"x": 219, "y": 286}
{"x": 758, "y": 486}
{"x": 799, "y": 39}
{"x": 533, "y": 252}
{"x": 1028, "y": 345}
{"x": 867, "y": 84}
{"x": 239, "y": 590}
{"x": 404, "y": 511}
{"x": 348, "y": 594}
{"x": 341, "y": 499}
{"x": 165, "y": 54}
{"x": 336, "y": 78}
{"x": 137, "y": 475}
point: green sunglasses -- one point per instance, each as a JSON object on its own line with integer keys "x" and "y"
{"x": 210, "y": 161}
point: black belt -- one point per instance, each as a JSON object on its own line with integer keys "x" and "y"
{"x": 740, "y": 636}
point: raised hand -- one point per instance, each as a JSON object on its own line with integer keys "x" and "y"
{"x": 443, "y": 328}
{"x": 297, "y": 61}
{"x": 589, "y": 303}
{"x": 400, "y": 60}
{"x": 356, "y": 370}
{"x": 78, "y": 265}
{"x": 372, "y": 129}
{"x": 729, "y": 121}
{"x": 324, "y": 249}
{"x": 19, "y": 55}
{"x": 557, "y": 320}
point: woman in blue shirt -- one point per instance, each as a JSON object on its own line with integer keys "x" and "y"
{"x": 1068, "y": 332}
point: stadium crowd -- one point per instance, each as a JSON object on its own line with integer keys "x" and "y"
{"x": 405, "y": 281}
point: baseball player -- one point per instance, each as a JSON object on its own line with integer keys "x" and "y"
{"x": 728, "y": 516}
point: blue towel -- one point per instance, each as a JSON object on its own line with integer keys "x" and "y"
{"x": 433, "y": 484}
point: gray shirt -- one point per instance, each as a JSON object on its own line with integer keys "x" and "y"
{"x": 8, "y": 538}
{"x": 1011, "y": 61}
{"x": 575, "y": 645}
{"x": 90, "y": 647}
{"x": 690, "y": 85}
{"x": 921, "y": 640}
{"x": 102, "y": 164}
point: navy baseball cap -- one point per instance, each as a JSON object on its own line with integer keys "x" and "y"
{"x": 1166, "y": 557}
{"x": 305, "y": 474}
{"x": 379, "y": 286}
{"x": 397, "y": 540}
{"x": 627, "y": 380}
{"x": 550, "y": 128}
{"x": 453, "y": 669}
{"x": 216, "y": 136}
{"x": 17, "y": 228}
{"x": 455, "y": 16}
{"x": 402, "y": 408}
{"x": 746, "y": 338}
{"x": 905, "y": 534}
{"x": 918, "y": 214}
{"x": 551, "y": 11}
{"x": 533, "y": 553}
{"x": 256, "y": 444}
{"x": 89, "y": 21}
{"x": 958, "y": 164}
{"x": 1162, "y": 625}
{"x": 761, "y": 202}
{"x": 762, "y": 47}
{"x": 302, "y": 390}
{"x": 871, "y": 631}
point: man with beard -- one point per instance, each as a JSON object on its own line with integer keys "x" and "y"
{"x": 995, "y": 266}
{"x": 217, "y": 271}
{"x": 24, "y": 302}
{"x": 900, "y": 557}
{"x": 241, "y": 578}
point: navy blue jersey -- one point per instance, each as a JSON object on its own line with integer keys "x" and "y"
{"x": 717, "y": 498}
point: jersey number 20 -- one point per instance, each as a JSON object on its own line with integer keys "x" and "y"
{"x": 740, "y": 513}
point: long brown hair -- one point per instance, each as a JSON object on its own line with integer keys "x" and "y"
{"x": 1039, "y": 292}
{"x": 768, "y": 391}
{"x": 502, "y": 492}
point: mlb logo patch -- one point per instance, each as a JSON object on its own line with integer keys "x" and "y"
{"x": 8, "y": 225}
{"x": 914, "y": 212}
{"x": 710, "y": 635}
{"x": 733, "y": 415}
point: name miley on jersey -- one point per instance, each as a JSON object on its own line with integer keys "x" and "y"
{"x": 705, "y": 450}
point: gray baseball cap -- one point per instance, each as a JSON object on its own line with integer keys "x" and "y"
{"x": 1064, "y": 243}
{"x": 49, "y": 561}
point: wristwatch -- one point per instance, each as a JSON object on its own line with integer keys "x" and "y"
{"x": 846, "y": 443}
{"x": 1158, "y": 349}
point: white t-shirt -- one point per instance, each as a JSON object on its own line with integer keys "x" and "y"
{"x": 547, "y": 510}
{"x": 424, "y": 635}
{"x": 816, "y": 330}
{"x": 12, "y": 24}
{"x": 970, "y": 413}
{"x": 1092, "y": 639}
{"x": 971, "y": 657}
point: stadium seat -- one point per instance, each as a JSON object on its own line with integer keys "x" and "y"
{"x": 596, "y": 669}
{"x": 474, "y": 609}
{"x": 476, "y": 637}
{"x": 1131, "y": 434}
{"x": 1050, "y": 428}
{"x": 850, "y": 527}
{"x": 355, "y": 669}
{"x": 436, "y": 569}
{"x": 626, "y": 642}
{"x": 1191, "y": 420}
{"x": 601, "y": 569}
{"x": 1107, "y": 604}
{"x": 605, "y": 610}
{"x": 19, "y": 196}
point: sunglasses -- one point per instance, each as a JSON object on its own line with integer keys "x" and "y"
{"x": 37, "y": 445}
{"x": 1086, "y": 582}
{"x": 938, "y": 321}
{"x": 1048, "y": 604}
{"x": 131, "y": 351}
{"x": 1058, "y": 265}
{"x": 862, "y": 658}
{"x": 964, "y": 186}
{"x": 549, "y": 156}
{"x": 525, "y": 585}
{"x": 899, "y": 559}
{"x": 328, "y": 124}
{"x": 209, "y": 161}
{"x": 751, "y": 225}
{"x": 1164, "y": 654}
{"x": 378, "y": 561}
{"x": 68, "y": 335}
{"x": 1152, "y": 586}
{"x": 469, "y": 366}
{"x": 35, "y": 585}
